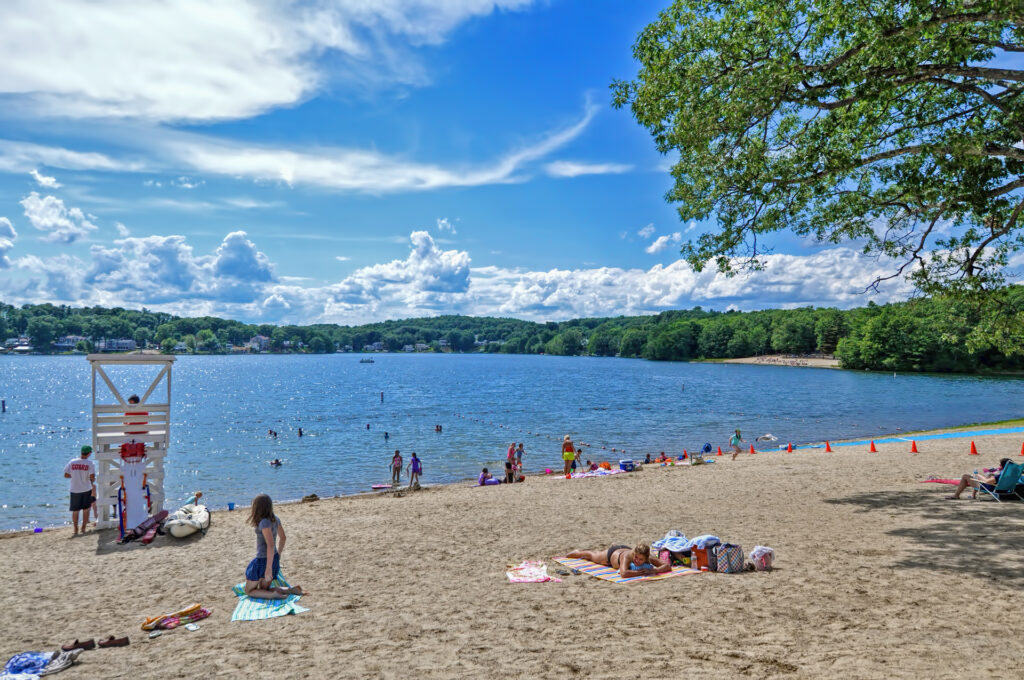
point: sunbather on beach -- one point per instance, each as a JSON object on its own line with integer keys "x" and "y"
{"x": 629, "y": 563}
{"x": 989, "y": 479}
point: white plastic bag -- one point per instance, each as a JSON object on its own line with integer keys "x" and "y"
{"x": 762, "y": 557}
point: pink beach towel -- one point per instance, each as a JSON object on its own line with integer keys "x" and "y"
{"x": 530, "y": 572}
{"x": 954, "y": 482}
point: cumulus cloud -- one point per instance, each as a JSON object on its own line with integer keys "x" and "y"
{"x": 444, "y": 225}
{"x": 122, "y": 230}
{"x": 60, "y": 224}
{"x": 187, "y": 183}
{"x": 646, "y": 232}
{"x": 43, "y": 180}
{"x": 237, "y": 280}
{"x": 196, "y": 60}
{"x": 7, "y": 237}
{"x": 663, "y": 242}
{"x": 574, "y": 169}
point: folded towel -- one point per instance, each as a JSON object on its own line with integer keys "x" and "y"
{"x": 255, "y": 609}
{"x": 674, "y": 541}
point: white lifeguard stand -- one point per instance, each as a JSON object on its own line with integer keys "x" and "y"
{"x": 116, "y": 422}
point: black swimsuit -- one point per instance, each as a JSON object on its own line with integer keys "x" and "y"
{"x": 612, "y": 550}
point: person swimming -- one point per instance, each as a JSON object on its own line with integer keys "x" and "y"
{"x": 277, "y": 462}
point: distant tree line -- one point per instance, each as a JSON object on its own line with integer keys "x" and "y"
{"x": 920, "y": 335}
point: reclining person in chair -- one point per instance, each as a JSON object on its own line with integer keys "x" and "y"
{"x": 635, "y": 562}
{"x": 989, "y": 479}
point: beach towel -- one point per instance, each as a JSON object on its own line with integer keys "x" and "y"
{"x": 255, "y": 609}
{"x": 26, "y": 665}
{"x": 609, "y": 574}
{"x": 954, "y": 482}
{"x": 530, "y": 572}
{"x": 674, "y": 541}
{"x": 191, "y": 613}
{"x": 596, "y": 473}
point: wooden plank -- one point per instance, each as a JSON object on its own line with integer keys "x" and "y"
{"x": 155, "y": 382}
{"x": 113, "y": 390}
{"x": 120, "y": 420}
{"x": 123, "y": 408}
{"x": 130, "y": 358}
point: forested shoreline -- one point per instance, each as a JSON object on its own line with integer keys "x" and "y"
{"x": 919, "y": 335}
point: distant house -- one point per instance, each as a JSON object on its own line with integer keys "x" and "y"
{"x": 346, "y": 348}
{"x": 421, "y": 346}
{"x": 408, "y": 348}
{"x": 240, "y": 349}
{"x": 116, "y": 345}
{"x": 68, "y": 342}
{"x": 259, "y": 343}
{"x": 11, "y": 343}
{"x": 374, "y": 347}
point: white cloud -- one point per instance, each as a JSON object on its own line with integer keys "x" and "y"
{"x": 342, "y": 258}
{"x": 444, "y": 225}
{"x": 237, "y": 280}
{"x": 7, "y": 238}
{"x": 122, "y": 230}
{"x": 152, "y": 183}
{"x": 574, "y": 169}
{"x": 690, "y": 227}
{"x": 196, "y": 60}
{"x": 44, "y": 181}
{"x": 60, "y": 224}
{"x": 352, "y": 169}
{"x": 187, "y": 183}
{"x": 25, "y": 156}
{"x": 663, "y": 242}
{"x": 646, "y": 232}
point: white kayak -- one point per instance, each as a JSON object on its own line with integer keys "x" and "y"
{"x": 187, "y": 521}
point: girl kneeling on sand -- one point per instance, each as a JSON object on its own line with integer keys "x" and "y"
{"x": 266, "y": 566}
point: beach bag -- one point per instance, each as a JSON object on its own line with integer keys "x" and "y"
{"x": 762, "y": 557}
{"x": 704, "y": 557}
{"x": 729, "y": 558}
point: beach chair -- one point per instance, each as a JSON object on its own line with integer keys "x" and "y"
{"x": 1009, "y": 478}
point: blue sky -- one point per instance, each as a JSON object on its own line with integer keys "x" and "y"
{"x": 344, "y": 161}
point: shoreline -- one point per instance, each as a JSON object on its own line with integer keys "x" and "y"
{"x": 776, "y": 360}
{"x": 1012, "y": 426}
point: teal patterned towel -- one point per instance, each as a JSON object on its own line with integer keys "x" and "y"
{"x": 253, "y": 609}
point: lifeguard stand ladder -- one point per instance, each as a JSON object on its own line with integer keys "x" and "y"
{"x": 112, "y": 426}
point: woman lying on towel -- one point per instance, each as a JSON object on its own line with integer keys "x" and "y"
{"x": 986, "y": 479}
{"x": 635, "y": 562}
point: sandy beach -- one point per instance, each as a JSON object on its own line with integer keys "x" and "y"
{"x": 877, "y": 576}
{"x": 777, "y": 360}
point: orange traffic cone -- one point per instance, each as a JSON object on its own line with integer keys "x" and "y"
{"x": 719, "y": 450}
{"x": 1022, "y": 449}
{"x": 789, "y": 448}
{"x": 828, "y": 448}
{"x": 752, "y": 449}
{"x": 913, "y": 446}
{"x": 974, "y": 449}
{"x": 873, "y": 449}
{"x": 685, "y": 456}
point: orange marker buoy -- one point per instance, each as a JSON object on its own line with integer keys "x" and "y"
{"x": 913, "y": 446}
{"x": 873, "y": 449}
{"x": 789, "y": 448}
{"x": 752, "y": 449}
{"x": 828, "y": 448}
{"x": 974, "y": 449}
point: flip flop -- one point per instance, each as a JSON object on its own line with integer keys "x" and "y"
{"x": 953, "y": 498}
{"x": 114, "y": 642}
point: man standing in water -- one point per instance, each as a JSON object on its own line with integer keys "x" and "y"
{"x": 82, "y": 473}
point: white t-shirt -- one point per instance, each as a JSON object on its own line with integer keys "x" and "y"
{"x": 80, "y": 470}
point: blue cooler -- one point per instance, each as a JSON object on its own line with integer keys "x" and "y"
{"x": 626, "y": 465}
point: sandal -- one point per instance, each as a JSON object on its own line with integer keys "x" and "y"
{"x": 88, "y": 644}
{"x": 114, "y": 642}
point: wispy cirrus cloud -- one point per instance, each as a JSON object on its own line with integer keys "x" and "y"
{"x": 576, "y": 169}
{"x": 7, "y": 238}
{"x": 192, "y": 60}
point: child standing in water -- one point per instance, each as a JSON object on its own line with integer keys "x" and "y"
{"x": 266, "y": 566}
{"x": 396, "y": 468}
{"x": 415, "y": 468}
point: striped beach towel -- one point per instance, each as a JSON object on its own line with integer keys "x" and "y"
{"x": 609, "y": 574}
{"x": 255, "y": 609}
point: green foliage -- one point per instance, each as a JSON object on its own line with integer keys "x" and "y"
{"x": 891, "y": 125}
{"x": 42, "y": 330}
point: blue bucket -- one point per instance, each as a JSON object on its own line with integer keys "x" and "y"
{"x": 231, "y": 506}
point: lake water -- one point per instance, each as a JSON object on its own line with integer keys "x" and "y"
{"x": 223, "y": 406}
